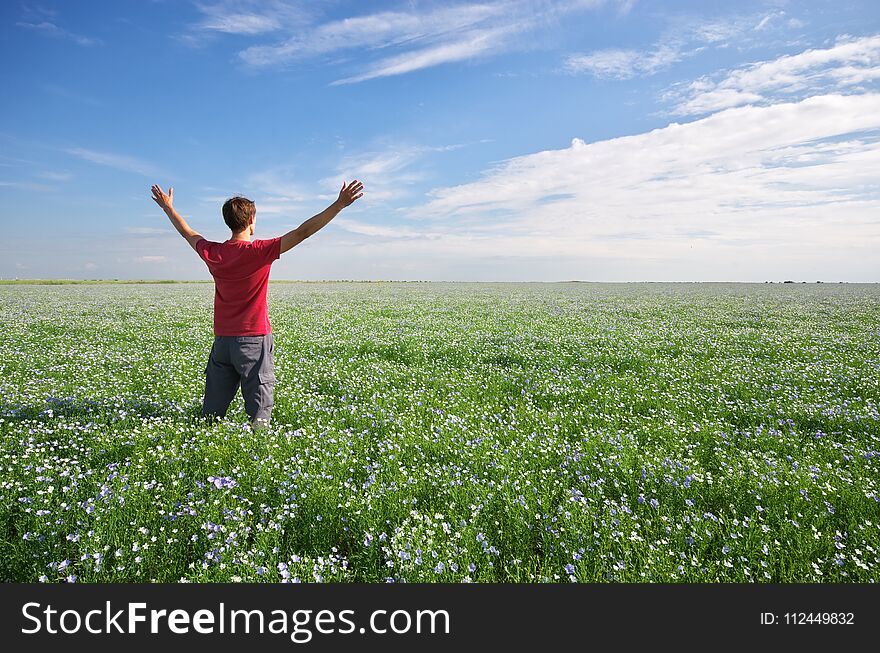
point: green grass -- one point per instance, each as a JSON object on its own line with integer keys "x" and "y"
{"x": 448, "y": 432}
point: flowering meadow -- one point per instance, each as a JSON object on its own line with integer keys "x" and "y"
{"x": 428, "y": 432}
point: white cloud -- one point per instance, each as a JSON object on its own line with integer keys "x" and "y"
{"x": 794, "y": 180}
{"x": 56, "y": 175}
{"x": 764, "y": 23}
{"x": 388, "y": 170}
{"x": 249, "y": 17}
{"x": 151, "y": 259}
{"x": 146, "y": 231}
{"x": 623, "y": 64}
{"x": 719, "y": 31}
{"x": 273, "y": 208}
{"x": 241, "y": 24}
{"x": 426, "y": 38}
{"x": 276, "y": 192}
{"x": 278, "y": 183}
{"x": 682, "y": 39}
{"x": 48, "y": 28}
{"x": 625, "y": 6}
{"x": 849, "y": 64}
{"x": 477, "y": 43}
{"x": 27, "y": 185}
{"x": 380, "y": 30}
{"x": 117, "y": 161}
{"x": 394, "y": 42}
{"x": 384, "y": 231}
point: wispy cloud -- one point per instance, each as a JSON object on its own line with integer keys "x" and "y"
{"x": 384, "y": 231}
{"x": 778, "y": 19}
{"x": 277, "y": 191}
{"x": 766, "y": 20}
{"x": 27, "y": 185}
{"x": 390, "y": 42}
{"x": 684, "y": 39}
{"x": 380, "y": 30}
{"x": 250, "y": 17}
{"x": 241, "y": 24}
{"x": 478, "y": 43}
{"x": 56, "y": 175}
{"x": 388, "y": 170}
{"x": 623, "y": 64}
{"x": 245, "y": 18}
{"x": 117, "y": 161}
{"x": 151, "y": 259}
{"x": 51, "y": 29}
{"x": 849, "y": 64}
{"x": 146, "y": 231}
{"x": 279, "y": 183}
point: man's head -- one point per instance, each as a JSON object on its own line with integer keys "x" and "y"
{"x": 239, "y": 214}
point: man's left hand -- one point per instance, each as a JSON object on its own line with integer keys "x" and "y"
{"x": 162, "y": 199}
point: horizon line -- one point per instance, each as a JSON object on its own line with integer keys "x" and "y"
{"x": 71, "y": 281}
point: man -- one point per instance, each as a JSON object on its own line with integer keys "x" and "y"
{"x": 243, "y": 345}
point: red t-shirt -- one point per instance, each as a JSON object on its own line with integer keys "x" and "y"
{"x": 241, "y": 278}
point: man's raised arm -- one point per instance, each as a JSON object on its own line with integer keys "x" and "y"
{"x": 164, "y": 201}
{"x": 347, "y": 195}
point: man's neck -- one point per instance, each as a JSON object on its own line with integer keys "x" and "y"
{"x": 244, "y": 236}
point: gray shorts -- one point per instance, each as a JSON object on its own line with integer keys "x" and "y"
{"x": 246, "y": 362}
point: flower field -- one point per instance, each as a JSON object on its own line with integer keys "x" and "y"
{"x": 447, "y": 433}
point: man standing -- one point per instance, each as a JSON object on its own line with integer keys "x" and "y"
{"x": 243, "y": 344}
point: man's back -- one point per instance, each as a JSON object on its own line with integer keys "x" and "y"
{"x": 242, "y": 353}
{"x": 241, "y": 278}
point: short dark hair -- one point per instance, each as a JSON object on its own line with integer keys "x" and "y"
{"x": 238, "y": 212}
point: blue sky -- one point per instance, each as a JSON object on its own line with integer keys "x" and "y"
{"x": 507, "y": 140}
